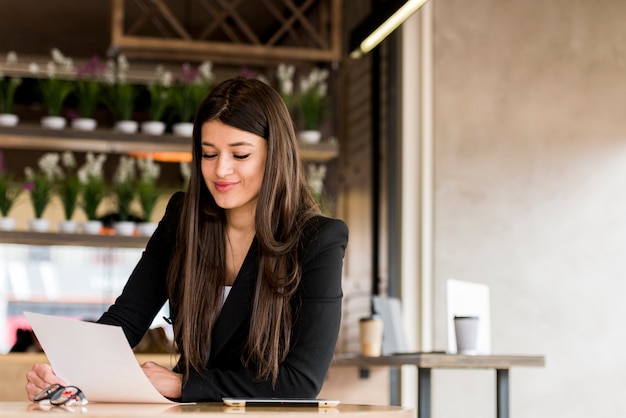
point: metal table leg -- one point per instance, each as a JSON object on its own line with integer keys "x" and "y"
{"x": 502, "y": 393}
{"x": 423, "y": 392}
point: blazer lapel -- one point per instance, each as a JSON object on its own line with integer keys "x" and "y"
{"x": 238, "y": 305}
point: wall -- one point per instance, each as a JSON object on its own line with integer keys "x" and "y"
{"x": 530, "y": 157}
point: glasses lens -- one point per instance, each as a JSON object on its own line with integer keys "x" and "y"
{"x": 70, "y": 395}
{"x": 47, "y": 393}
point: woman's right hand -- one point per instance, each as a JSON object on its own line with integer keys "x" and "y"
{"x": 40, "y": 377}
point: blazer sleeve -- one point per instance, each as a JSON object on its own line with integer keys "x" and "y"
{"x": 145, "y": 291}
{"x": 315, "y": 331}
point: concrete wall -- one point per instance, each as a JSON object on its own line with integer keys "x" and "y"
{"x": 530, "y": 197}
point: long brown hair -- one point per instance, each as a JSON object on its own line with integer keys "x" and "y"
{"x": 197, "y": 272}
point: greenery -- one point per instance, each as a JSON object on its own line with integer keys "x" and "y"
{"x": 8, "y": 87}
{"x": 310, "y": 100}
{"x": 160, "y": 93}
{"x": 53, "y": 90}
{"x": 91, "y": 178}
{"x": 68, "y": 187}
{"x": 192, "y": 86}
{"x": 88, "y": 86}
{"x": 147, "y": 189}
{"x": 120, "y": 95}
{"x": 124, "y": 186}
{"x": 9, "y": 191}
{"x": 41, "y": 182}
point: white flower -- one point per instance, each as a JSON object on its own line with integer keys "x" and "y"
{"x": 148, "y": 169}
{"x": 68, "y": 160}
{"x": 125, "y": 171}
{"x": 33, "y": 68}
{"x": 206, "y": 72}
{"x": 92, "y": 169}
{"x": 315, "y": 178}
{"x": 49, "y": 165}
{"x": 51, "y": 69}
{"x": 29, "y": 173}
{"x": 12, "y": 58}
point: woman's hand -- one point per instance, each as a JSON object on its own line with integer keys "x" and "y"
{"x": 40, "y": 377}
{"x": 167, "y": 382}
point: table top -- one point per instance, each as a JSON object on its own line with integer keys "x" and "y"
{"x": 442, "y": 361}
{"x": 112, "y": 410}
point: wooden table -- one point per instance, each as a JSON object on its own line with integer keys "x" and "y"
{"x": 425, "y": 362}
{"x": 110, "y": 410}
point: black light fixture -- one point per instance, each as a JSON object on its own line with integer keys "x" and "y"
{"x": 380, "y": 23}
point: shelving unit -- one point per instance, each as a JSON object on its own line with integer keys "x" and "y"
{"x": 82, "y": 240}
{"x": 107, "y": 141}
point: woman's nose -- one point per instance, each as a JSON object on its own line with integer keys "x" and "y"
{"x": 224, "y": 167}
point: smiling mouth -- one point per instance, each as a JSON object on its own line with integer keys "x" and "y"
{"x": 224, "y": 186}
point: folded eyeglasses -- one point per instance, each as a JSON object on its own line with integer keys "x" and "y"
{"x": 62, "y": 395}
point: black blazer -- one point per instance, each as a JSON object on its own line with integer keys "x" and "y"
{"x": 316, "y": 324}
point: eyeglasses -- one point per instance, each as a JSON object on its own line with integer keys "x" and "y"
{"x": 62, "y": 395}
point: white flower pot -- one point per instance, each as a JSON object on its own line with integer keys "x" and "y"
{"x": 183, "y": 129}
{"x": 126, "y": 228}
{"x": 146, "y": 229}
{"x": 53, "y": 122}
{"x": 92, "y": 227}
{"x": 39, "y": 225}
{"x": 67, "y": 227}
{"x": 7, "y": 224}
{"x": 153, "y": 127}
{"x": 126, "y": 126}
{"x": 310, "y": 136}
{"x": 84, "y": 124}
{"x": 8, "y": 119}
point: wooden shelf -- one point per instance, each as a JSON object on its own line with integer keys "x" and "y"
{"x": 107, "y": 141}
{"x": 78, "y": 239}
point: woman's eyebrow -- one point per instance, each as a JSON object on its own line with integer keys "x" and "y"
{"x": 233, "y": 144}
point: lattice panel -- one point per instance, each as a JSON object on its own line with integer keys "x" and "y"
{"x": 236, "y": 31}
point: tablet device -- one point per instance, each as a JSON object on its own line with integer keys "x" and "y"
{"x": 310, "y": 402}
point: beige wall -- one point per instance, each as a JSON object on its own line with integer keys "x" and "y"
{"x": 530, "y": 197}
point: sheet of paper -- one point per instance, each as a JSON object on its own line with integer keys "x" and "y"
{"x": 95, "y": 357}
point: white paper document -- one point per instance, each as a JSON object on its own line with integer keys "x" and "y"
{"x": 95, "y": 357}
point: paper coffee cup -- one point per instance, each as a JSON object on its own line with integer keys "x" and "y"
{"x": 466, "y": 332}
{"x": 371, "y": 336}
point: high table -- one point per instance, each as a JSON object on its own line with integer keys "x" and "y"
{"x": 106, "y": 410}
{"x": 425, "y": 362}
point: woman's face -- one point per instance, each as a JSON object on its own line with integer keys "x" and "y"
{"x": 233, "y": 165}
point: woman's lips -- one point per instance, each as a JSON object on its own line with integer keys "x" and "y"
{"x": 224, "y": 186}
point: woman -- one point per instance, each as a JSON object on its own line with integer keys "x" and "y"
{"x": 251, "y": 269}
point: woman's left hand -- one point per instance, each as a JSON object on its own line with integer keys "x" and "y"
{"x": 167, "y": 382}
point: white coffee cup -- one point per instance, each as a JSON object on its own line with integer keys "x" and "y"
{"x": 466, "y": 332}
{"x": 371, "y": 336}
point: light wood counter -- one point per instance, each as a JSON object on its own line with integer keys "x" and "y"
{"x": 104, "y": 410}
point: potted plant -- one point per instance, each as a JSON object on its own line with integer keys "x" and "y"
{"x": 310, "y": 103}
{"x": 9, "y": 191}
{"x": 124, "y": 193}
{"x": 8, "y": 87}
{"x": 93, "y": 187}
{"x": 68, "y": 189}
{"x": 148, "y": 193}
{"x": 284, "y": 75}
{"x": 190, "y": 89}
{"x": 120, "y": 95}
{"x": 41, "y": 186}
{"x": 160, "y": 96}
{"x": 53, "y": 89}
{"x": 88, "y": 88}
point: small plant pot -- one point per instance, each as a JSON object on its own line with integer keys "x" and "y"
{"x": 67, "y": 227}
{"x": 153, "y": 127}
{"x": 53, "y": 122}
{"x": 125, "y": 228}
{"x": 7, "y": 224}
{"x": 84, "y": 124}
{"x": 92, "y": 227}
{"x": 39, "y": 225}
{"x": 183, "y": 129}
{"x": 310, "y": 136}
{"x": 126, "y": 126}
{"x": 9, "y": 119}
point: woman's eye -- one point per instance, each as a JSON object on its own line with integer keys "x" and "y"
{"x": 241, "y": 157}
{"x": 207, "y": 155}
